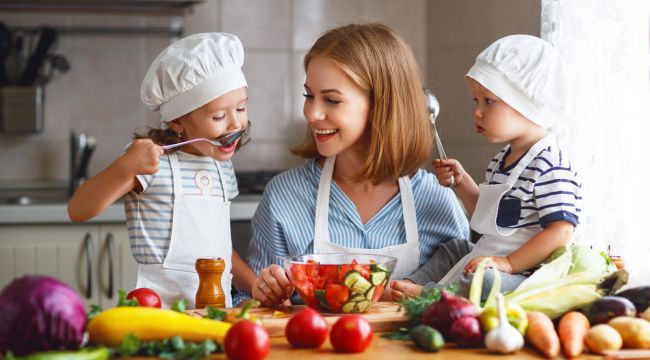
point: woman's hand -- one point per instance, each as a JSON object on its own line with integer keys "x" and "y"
{"x": 400, "y": 289}
{"x": 501, "y": 263}
{"x": 142, "y": 157}
{"x": 272, "y": 287}
{"x": 445, "y": 169}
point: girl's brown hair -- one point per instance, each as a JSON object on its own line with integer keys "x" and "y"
{"x": 381, "y": 63}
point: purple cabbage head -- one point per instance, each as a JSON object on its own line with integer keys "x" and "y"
{"x": 39, "y": 313}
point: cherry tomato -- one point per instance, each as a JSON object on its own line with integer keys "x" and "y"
{"x": 247, "y": 340}
{"x": 351, "y": 333}
{"x": 146, "y": 297}
{"x": 306, "y": 329}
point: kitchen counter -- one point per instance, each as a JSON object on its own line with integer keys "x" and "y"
{"x": 390, "y": 349}
{"x": 243, "y": 207}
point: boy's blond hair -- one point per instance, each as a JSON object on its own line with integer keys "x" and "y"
{"x": 381, "y": 63}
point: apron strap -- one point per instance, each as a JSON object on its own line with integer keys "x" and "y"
{"x": 321, "y": 231}
{"x": 526, "y": 159}
{"x": 176, "y": 174}
{"x": 408, "y": 210}
{"x": 222, "y": 180}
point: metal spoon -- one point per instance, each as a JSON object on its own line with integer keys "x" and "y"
{"x": 221, "y": 141}
{"x": 434, "y": 109}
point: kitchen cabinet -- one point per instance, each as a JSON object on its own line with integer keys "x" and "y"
{"x": 94, "y": 259}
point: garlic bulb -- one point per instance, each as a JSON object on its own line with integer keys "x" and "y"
{"x": 504, "y": 338}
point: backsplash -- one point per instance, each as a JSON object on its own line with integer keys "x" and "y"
{"x": 100, "y": 96}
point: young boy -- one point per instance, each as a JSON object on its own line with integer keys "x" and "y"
{"x": 529, "y": 203}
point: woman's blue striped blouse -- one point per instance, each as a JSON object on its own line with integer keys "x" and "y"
{"x": 283, "y": 224}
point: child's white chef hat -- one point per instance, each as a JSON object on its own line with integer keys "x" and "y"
{"x": 191, "y": 72}
{"x": 528, "y": 74}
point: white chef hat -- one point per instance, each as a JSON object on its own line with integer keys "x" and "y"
{"x": 191, "y": 72}
{"x": 528, "y": 74}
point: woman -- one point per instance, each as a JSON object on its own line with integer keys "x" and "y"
{"x": 361, "y": 189}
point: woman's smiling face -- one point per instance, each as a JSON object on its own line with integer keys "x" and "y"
{"x": 336, "y": 108}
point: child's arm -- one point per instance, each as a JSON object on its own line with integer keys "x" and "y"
{"x": 103, "y": 189}
{"x": 242, "y": 276}
{"x": 534, "y": 251}
{"x": 464, "y": 185}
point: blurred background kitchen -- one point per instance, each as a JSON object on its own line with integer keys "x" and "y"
{"x": 83, "y": 105}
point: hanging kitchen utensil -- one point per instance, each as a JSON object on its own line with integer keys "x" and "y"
{"x": 5, "y": 50}
{"x": 37, "y": 58}
{"x": 434, "y": 109}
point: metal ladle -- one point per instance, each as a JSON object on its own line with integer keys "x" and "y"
{"x": 434, "y": 109}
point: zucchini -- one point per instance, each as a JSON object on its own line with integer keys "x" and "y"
{"x": 378, "y": 268}
{"x": 378, "y": 277}
{"x": 356, "y": 282}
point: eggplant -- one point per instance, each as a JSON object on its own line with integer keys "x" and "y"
{"x": 609, "y": 307}
{"x": 639, "y": 296}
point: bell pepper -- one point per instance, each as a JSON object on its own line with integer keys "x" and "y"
{"x": 516, "y": 317}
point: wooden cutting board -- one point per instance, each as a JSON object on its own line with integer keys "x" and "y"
{"x": 382, "y": 316}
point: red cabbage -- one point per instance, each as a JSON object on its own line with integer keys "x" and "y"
{"x": 442, "y": 314}
{"x": 39, "y": 313}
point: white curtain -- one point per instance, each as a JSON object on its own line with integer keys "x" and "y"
{"x": 606, "y": 46}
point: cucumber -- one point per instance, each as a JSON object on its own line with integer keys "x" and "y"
{"x": 362, "y": 306}
{"x": 378, "y": 277}
{"x": 357, "y": 298}
{"x": 356, "y": 282}
{"x": 378, "y": 268}
{"x": 370, "y": 293}
{"x": 348, "y": 307}
{"x": 427, "y": 338}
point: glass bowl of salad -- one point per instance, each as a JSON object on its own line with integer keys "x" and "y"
{"x": 340, "y": 283}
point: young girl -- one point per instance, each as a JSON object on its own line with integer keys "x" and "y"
{"x": 362, "y": 189}
{"x": 178, "y": 200}
{"x": 529, "y": 203}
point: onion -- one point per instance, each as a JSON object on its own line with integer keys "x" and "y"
{"x": 40, "y": 313}
{"x": 443, "y": 313}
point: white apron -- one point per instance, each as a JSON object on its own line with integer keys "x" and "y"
{"x": 407, "y": 254}
{"x": 496, "y": 240}
{"x": 200, "y": 229}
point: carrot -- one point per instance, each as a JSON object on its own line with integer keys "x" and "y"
{"x": 572, "y": 330}
{"x": 541, "y": 333}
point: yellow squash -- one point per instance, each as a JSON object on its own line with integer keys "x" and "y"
{"x": 110, "y": 326}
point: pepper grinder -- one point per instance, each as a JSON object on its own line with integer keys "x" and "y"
{"x": 210, "y": 292}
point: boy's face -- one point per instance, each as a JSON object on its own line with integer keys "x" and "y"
{"x": 223, "y": 115}
{"x": 496, "y": 120}
{"x": 336, "y": 108}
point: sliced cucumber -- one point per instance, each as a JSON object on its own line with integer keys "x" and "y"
{"x": 370, "y": 293}
{"x": 357, "y": 298}
{"x": 348, "y": 307}
{"x": 362, "y": 306}
{"x": 378, "y": 268}
{"x": 356, "y": 282}
{"x": 378, "y": 277}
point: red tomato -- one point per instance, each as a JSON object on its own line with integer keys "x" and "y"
{"x": 364, "y": 270}
{"x": 343, "y": 271}
{"x": 247, "y": 340}
{"x": 145, "y": 296}
{"x": 379, "y": 290}
{"x": 327, "y": 274}
{"x": 306, "y": 290}
{"x": 306, "y": 329}
{"x": 351, "y": 333}
{"x": 336, "y": 295}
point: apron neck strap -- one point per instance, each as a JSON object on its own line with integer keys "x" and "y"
{"x": 222, "y": 179}
{"x": 176, "y": 174}
{"x": 527, "y": 158}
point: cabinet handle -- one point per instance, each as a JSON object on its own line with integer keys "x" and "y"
{"x": 88, "y": 243}
{"x": 110, "y": 246}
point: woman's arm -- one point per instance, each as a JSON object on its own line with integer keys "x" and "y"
{"x": 243, "y": 276}
{"x": 103, "y": 189}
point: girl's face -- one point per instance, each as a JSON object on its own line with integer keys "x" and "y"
{"x": 223, "y": 115}
{"x": 336, "y": 109}
{"x": 496, "y": 120}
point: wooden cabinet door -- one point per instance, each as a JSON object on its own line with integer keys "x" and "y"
{"x": 66, "y": 252}
{"x": 116, "y": 268}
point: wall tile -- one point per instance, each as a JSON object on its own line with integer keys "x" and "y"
{"x": 313, "y": 17}
{"x": 258, "y": 23}
{"x": 268, "y": 88}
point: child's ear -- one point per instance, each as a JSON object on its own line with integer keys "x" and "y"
{"x": 176, "y": 125}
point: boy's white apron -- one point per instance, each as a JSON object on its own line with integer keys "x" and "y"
{"x": 407, "y": 254}
{"x": 496, "y": 240}
{"x": 200, "y": 229}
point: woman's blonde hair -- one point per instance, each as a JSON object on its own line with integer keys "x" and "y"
{"x": 381, "y": 63}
